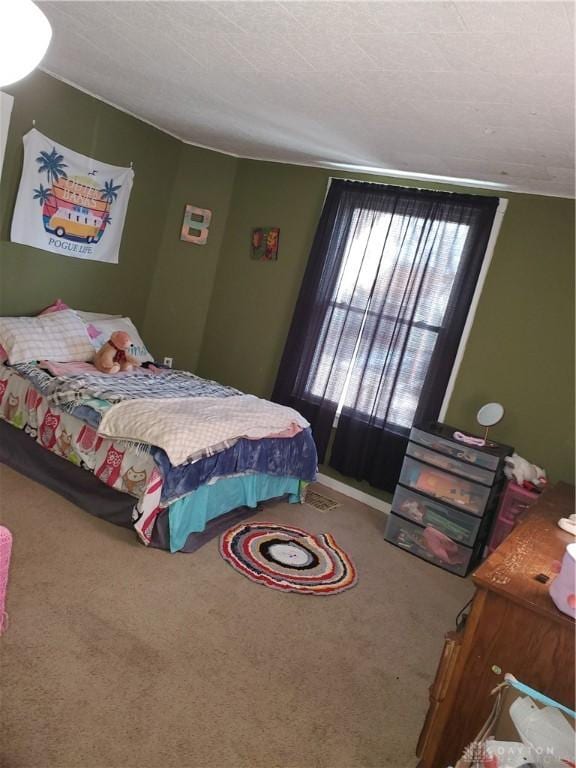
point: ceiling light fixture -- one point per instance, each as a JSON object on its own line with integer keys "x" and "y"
{"x": 418, "y": 176}
{"x": 25, "y": 34}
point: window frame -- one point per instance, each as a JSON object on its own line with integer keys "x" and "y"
{"x": 470, "y": 317}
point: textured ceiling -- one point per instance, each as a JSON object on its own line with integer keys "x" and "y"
{"x": 475, "y": 90}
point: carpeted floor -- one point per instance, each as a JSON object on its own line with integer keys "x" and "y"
{"x": 117, "y": 656}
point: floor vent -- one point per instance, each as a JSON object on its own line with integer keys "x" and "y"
{"x": 320, "y": 502}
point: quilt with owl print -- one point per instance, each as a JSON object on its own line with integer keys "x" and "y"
{"x": 124, "y": 466}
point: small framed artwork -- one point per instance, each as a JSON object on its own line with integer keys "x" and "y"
{"x": 264, "y": 243}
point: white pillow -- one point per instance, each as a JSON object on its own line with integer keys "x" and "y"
{"x": 101, "y": 330}
{"x": 58, "y": 336}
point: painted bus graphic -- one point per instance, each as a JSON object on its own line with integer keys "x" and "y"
{"x": 74, "y": 208}
{"x": 75, "y": 224}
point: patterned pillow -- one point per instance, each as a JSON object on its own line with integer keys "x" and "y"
{"x": 58, "y": 336}
{"x": 101, "y": 330}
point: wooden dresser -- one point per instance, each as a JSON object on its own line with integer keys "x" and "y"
{"x": 513, "y": 626}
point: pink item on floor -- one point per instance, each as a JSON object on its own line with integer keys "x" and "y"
{"x": 5, "y": 552}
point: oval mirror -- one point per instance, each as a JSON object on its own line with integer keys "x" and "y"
{"x": 490, "y": 414}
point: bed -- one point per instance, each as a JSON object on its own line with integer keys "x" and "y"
{"x": 79, "y": 434}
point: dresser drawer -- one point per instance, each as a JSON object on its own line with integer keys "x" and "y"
{"x": 429, "y": 544}
{"x": 459, "y": 451}
{"x": 459, "y": 526}
{"x": 441, "y": 460}
{"x": 457, "y": 491}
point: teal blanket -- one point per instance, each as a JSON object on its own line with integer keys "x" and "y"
{"x": 191, "y": 513}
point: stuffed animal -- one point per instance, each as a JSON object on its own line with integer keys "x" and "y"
{"x": 524, "y": 473}
{"x": 112, "y": 356}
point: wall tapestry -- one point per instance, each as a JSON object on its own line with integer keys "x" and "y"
{"x": 195, "y": 225}
{"x": 265, "y": 243}
{"x": 69, "y": 203}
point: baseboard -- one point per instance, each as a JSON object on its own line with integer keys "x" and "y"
{"x": 354, "y": 493}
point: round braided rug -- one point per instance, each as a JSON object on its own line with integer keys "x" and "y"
{"x": 288, "y": 559}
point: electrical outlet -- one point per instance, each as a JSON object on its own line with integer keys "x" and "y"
{"x": 168, "y": 362}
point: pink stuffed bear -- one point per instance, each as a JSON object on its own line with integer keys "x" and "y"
{"x": 112, "y": 356}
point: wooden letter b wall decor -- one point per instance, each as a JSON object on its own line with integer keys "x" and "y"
{"x": 195, "y": 225}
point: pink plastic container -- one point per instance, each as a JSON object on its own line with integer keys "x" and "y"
{"x": 5, "y": 552}
{"x": 515, "y": 501}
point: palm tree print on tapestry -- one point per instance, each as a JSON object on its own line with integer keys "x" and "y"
{"x": 74, "y": 208}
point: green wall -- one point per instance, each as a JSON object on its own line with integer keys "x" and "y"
{"x": 253, "y": 301}
{"x": 161, "y": 282}
{"x": 218, "y": 312}
{"x": 31, "y": 278}
{"x": 182, "y": 282}
{"x": 521, "y": 349}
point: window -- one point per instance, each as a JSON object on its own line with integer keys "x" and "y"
{"x": 379, "y": 258}
{"x": 381, "y": 310}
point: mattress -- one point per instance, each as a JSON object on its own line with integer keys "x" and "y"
{"x": 191, "y": 494}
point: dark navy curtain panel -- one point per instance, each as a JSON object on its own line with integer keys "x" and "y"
{"x": 379, "y": 317}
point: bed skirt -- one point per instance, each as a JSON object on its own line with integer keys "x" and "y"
{"x": 23, "y": 454}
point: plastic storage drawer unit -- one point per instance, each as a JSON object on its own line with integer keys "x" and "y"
{"x": 429, "y": 544}
{"x": 446, "y": 497}
{"x": 454, "y": 490}
{"x": 457, "y": 450}
{"x": 459, "y": 526}
{"x": 469, "y": 471}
